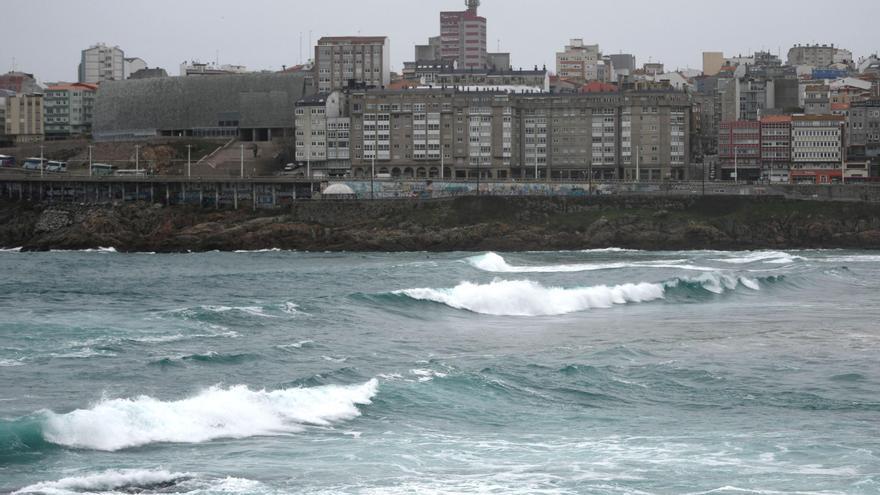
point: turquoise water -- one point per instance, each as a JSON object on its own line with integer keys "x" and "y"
{"x": 601, "y": 372}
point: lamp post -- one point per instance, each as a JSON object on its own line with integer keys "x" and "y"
{"x": 90, "y": 160}
{"x": 189, "y": 160}
{"x": 41, "y": 161}
{"x": 638, "y": 170}
{"x": 242, "y": 160}
{"x": 137, "y": 159}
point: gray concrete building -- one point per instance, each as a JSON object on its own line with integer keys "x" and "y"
{"x": 69, "y": 109}
{"x": 443, "y": 132}
{"x": 820, "y": 56}
{"x": 253, "y": 107}
{"x": 863, "y": 133}
{"x": 342, "y": 60}
{"x": 101, "y": 63}
{"x": 322, "y": 130}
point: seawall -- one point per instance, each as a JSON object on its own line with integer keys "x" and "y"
{"x": 465, "y": 223}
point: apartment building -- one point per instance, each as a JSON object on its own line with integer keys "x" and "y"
{"x": 359, "y": 59}
{"x": 776, "y": 148}
{"x": 817, "y": 150}
{"x": 322, "y": 130}
{"x": 24, "y": 118}
{"x": 463, "y": 37}
{"x": 817, "y": 99}
{"x": 820, "y": 56}
{"x": 68, "y": 109}
{"x": 444, "y": 132}
{"x": 863, "y": 131}
{"x": 578, "y": 62}
{"x": 101, "y": 63}
{"x": 194, "y": 68}
{"x": 739, "y": 150}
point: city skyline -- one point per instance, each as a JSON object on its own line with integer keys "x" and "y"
{"x": 234, "y": 33}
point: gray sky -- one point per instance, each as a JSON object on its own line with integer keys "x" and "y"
{"x": 265, "y": 34}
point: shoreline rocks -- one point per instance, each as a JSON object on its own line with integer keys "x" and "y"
{"x": 461, "y": 224}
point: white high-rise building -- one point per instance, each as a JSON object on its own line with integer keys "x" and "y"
{"x": 102, "y": 63}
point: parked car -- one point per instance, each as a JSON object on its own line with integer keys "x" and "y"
{"x": 7, "y": 161}
{"x": 57, "y": 167}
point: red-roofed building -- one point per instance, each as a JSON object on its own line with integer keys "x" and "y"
{"x": 598, "y": 87}
{"x": 68, "y": 109}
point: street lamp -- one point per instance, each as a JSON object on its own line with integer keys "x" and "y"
{"x": 189, "y": 160}
{"x": 90, "y": 160}
{"x": 41, "y": 160}
{"x": 137, "y": 158}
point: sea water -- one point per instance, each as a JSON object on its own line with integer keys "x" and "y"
{"x": 600, "y": 372}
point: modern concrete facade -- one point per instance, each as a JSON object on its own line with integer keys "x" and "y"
{"x": 253, "y": 107}
{"x": 817, "y": 148}
{"x": 817, "y": 99}
{"x": 24, "y": 118}
{"x": 578, "y": 62}
{"x": 323, "y": 135}
{"x": 443, "y": 132}
{"x": 359, "y": 59}
{"x": 101, "y": 63}
{"x": 463, "y": 37}
{"x": 69, "y": 109}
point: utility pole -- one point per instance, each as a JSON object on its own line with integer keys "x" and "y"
{"x": 41, "y": 161}
{"x": 638, "y": 170}
{"x": 90, "y": 160}
{"x": 735, "y": 165}
{"x": 590, "y": 171}
{"x": 137, "y": 158}
{"x": 189, "y": 160}
{"x": 242, "y": 160}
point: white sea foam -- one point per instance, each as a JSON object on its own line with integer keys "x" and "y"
{"x": 493, "y": 262}
{"x": 771, "y": 257}
{"x": 427, "y": 375}
{"x": 107, "y": 481}
{"x": 527, "y": 298}
{"x": 718, "y": 283}
{"x": 291, "y": 308}
{"x": 236, "y": 412}
{"x": 8, "y": 363}
{"x": 10, "y": 250}
{"x": 273, "y": 250}
{"x": 296, "y": 345}
{"x": 251, "y": 310}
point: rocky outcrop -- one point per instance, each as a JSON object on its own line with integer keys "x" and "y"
{"x": 486, "y": 223}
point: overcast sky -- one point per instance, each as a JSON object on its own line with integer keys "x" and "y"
{"x": 45, "y": 37}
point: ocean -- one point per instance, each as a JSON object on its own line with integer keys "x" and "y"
{"x": 595, "y": 372}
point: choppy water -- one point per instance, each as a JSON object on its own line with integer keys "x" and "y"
{"x": 601, "y": 372}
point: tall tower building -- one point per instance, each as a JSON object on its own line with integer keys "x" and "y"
{"x": 102, "y": 63}
{"x": 463, "y": 37}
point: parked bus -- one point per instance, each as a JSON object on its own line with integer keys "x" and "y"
{"x": 7, "y": 161}
{"x": 57, "y": 167}
{"x": 36, "y": 164}
{"x": 101, "y": 169}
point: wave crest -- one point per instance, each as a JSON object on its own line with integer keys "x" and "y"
{"x": 235, "y": 412}
{"x": 126, "y": 480}
{"x": 495, "y": 263}
{"x": 527, "y": 298}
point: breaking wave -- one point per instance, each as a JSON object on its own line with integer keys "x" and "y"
{"x": 529, "y": 298}
{"x": 495, "y": 263}
{"x": 123, "y": 480}
{"x": 770, "y": 257}
{"x": 236, "y": 412}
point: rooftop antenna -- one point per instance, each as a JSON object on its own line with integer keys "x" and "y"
{"x": 472, "y": 5}
{"x": 300, "y": 47}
